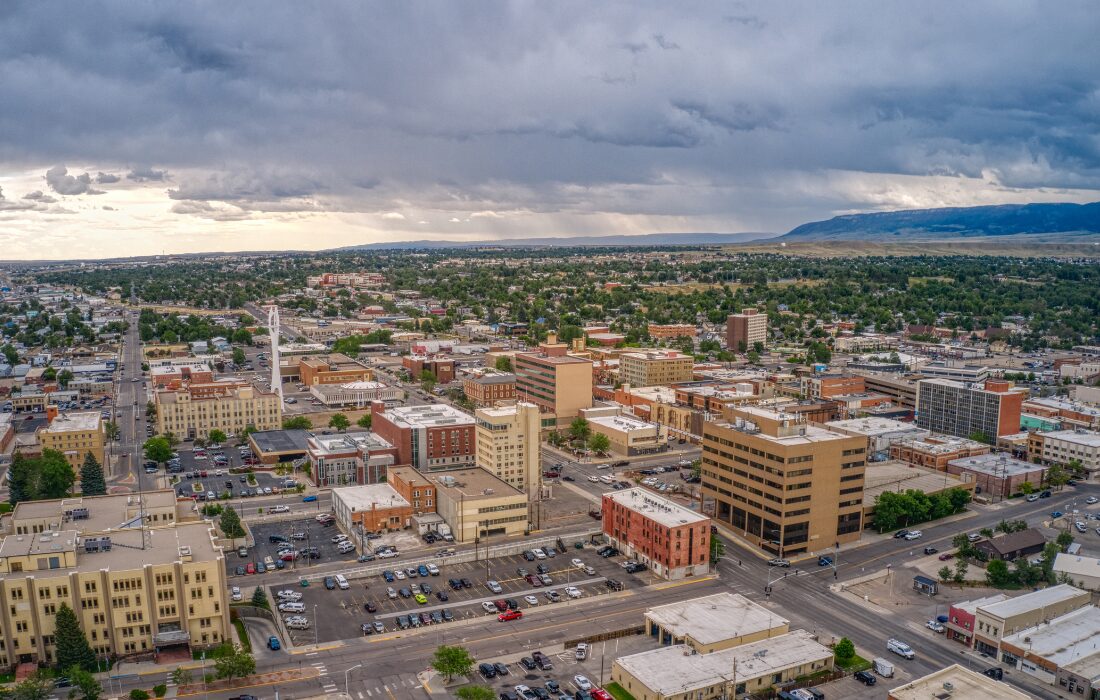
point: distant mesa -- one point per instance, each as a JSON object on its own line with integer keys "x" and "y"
{"x": 649, "y": 239}
{"x": 1064, "y": 222}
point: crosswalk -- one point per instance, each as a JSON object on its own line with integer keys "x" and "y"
{"x": 382, "y": 690}
{"x": 327, "y": 684}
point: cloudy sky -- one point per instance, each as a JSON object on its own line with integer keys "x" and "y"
{"x": 133, "y": 128}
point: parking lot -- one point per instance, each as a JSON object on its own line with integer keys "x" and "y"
{"x": 192, "y": 481}
{"x": 339, "y": 614}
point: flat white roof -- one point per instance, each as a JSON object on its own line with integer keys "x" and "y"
{"x": 432, "y": 416}
{"x": 1083, "y": 437}
{"x": 1076, "y": 565}
{"x": 68, "y": 422}
{"x": 668, "y": 671}
{"x": 1055, "y": 402}
{"x": 1031, "y": 601}
{"x": 971, "y": 605}
{"x": 875, "y": 426}
{"x": 360, "y": 498}
{"x": 1071, "y": 637}
{"x": 657, "y": 508}
{"x": 967, "y": 684}
{"x": 997, "y": 465}
{"x": 625, "y": 424}
{"x": 714, "y": 618}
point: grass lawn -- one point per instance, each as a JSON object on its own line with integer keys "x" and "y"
{"x": 617, "y": 691}
{"x": 242, "y": 635}
{"x": 856, "y": 663}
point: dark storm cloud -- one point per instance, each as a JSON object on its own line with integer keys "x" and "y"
{"x": 103, "y": 178}
{"x": 552, "y": 100}
{"x": 39, "y": 196}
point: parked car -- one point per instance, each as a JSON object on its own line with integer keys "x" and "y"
{"x": 865, "y": 677}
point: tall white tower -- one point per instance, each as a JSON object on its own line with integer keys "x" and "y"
{"x": 273, "y": 334}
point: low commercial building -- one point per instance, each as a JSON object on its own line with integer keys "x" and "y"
{"x": 964, "y": 684}
{"x": 356, "y": 458}
{"x": 442, "y": 368}
{"x": 670, "y": 539}
{"x": 827, "y": 386}
{"x": 1064, "y": 446}
{"x": 961, "y": 620}
{"x": 487, "y": 388}
{"x": 356, "y": 394}
{"x": 73, "y": 435}
{"x": 936, "y": 451}
{"x": 898, "y": 477}
{"x": 665, "y": 331}
{"x": 279, "y": 446}
{"x": 173, "y": 375}
{"x": 674, "y": 673}
{"x": 334, "y": 368}
{"x": 655, "y": 367}
{"x": 1043, "y": 650}
{"x": 1013, "y": 545}
{"x": 881, "y": 433}
{"x": 998, "y": 620}
{"x": 371, "y": 508}
{"x": 477, "y": 504}
{"x": 997, "y": 474}
{"x": 713, "y": 623}
{"x": 433, "y": 437}
{"x": 1069, "y": 413}
{"x": 1084, "y": 572}
{"x": 629, "y": 436}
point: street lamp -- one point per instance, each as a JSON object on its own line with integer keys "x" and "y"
{"x": 346, "y": 675}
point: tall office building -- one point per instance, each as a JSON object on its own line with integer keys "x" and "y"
{"x": 956, "y": 408}
{"x": 655, "y": 367}
{"x": 508, "y": 443}
{"x": 789, "y": 487}
{"x": 745, "y": 329}
{"x": 558, "y": 383}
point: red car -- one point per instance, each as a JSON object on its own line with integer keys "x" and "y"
{"x": 946, "y": 555}
{"x": 599, "y": 694}
{"x": 250, "y": 569}
{"x": 501, "y": 605}
{"x": 510, "y": 615}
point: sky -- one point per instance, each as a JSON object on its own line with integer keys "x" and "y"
{"x": 139, "y": 128}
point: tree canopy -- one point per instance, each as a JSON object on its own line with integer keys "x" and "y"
{"x": 47, "y": 476}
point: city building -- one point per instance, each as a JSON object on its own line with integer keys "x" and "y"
{"x": 433, "y": 437}
{"x": 995, "y": 621}
{"x": 745, "y": 330}
{"x": 901, "y": 390}
{"x": 962, "y": 684}
{"x": 414, "y": 488}
{"x": 346, "y": 279}
{"x": 279, "y": 446}
{"x": 231, "y": 407}
{"x": 898, "y": 477}
{"x": 175, "y": 375}
{"x": 955, "y": 408}
{"x": 864, "y": 343}
{"x": 1013, "y": 545}
{"x": 881, "y": 433}
{"x": 559, "y": 384}
{"x": 1064, "y": 446}
{"x": 671, "y": 330}
{"x": 827, "y": 386}
{"x": 936, "y": 451}
{"x": 997, "y": 474}
{"x": 1067, "y": 413}
{"x": 442, "y": 368}
{"x": 356, "y": 458}
{"x": 1048, "y": 650}
{"x": 629, "y": 436}
{"x": 332, "y": 369}
{"x": 655, "y": 367}
{"x": 957, "y": 371}
{"x": 508, "y": 443}
{"x": 356, "y": 394}
{"x": 135, "y": 590}
{"x": 670, "y": 539}
{"x": 1084, "y": 572}
{"x": 485, "y": 389}
{"x": 674, "y": 673}
{"x": 789, "y": 487}
{"x": 713, "y": 623}
{"x": 961, "y": 622}
{"x": 73, "y": 435}
{"x": 370, "y": 508}
{"x": 474, "y": 503}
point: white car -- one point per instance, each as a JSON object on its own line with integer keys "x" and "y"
{"x": 235, "y": 594}
{"x": 1092, "y": 499}
{"x": 913, "y": 535}
{"x": 489, "y": 607}
{"x": 573, "y": 592}
{"x": 494, "y": 587}
{"x": 399, "y": 575}
{"x": 531, "y": 600}
{"x": 582, "y": 683}
{"x": 934, "y": 626}
{"x": 289, "y": 595}
{"x": 280, "y": 509}
{"x": 594, "y": 479}
{"x": 577, "y": 563}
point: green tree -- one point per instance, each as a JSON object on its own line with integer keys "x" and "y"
{"x": 57, "y": 476}
{"x": 599, "y": 443}
{"x": 364, "y": 421}
{"x": 73, "y": 648}
{"x": 298, "y": 423}
{"x": 753, "y": 357}
{"x": 230, "y": 524}
{"x": 503, "y": 363}
{"x": 476, "y": 692}
{"x": 38, "y": 686}
{"x": 239, "y": 357}
{"x": 427, "y": 380}
{"x": 1064, "y": 540}
{"x": 579, "y": 429}
{"x": 339, "y": 421}
{"x": 1026, "y": 488}
{"x": 259, "y": 598}
{"x": 91, "y": 477}
{"x": 10, "y": 354}
{"x": 49, "y": 374}
{"x": 111, "y": 430}
{"x": 890, "y": 511}
{"x": 158, "y": 449}
{"x": 85, "y": 686}
{"x": 945, "y": 573}
{"x": 64, "y": 377}
{"x": 997, "y": 574}
{"x": 233, "y": 662}
{"x": 182, "y": 676}
{"x": 451, "y": 661}
{"x": 961, "y": 570}
{"x": 979, "y": 436}
{"x": 1057, "y": 476}
{"x": 844, "y": 651}
{"x": 216, "y": 437}
{"x": 717, "y": 549}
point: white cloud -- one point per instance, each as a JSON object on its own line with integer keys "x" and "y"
{"x": 393, "y": 216}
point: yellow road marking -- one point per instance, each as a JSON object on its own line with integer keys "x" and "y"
{"x": 303, "y": 677}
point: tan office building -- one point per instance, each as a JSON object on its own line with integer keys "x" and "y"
{"x": 790, "y": 487}
{"x": 132, "y": 592}
{"x": 655, "y": 367}
{"x": 474, "y": 502}
{"x": 508, "y": 443}
{"x": 74, "y": 435}
{"x": 745, "y": 329}
{"x": 188, "y": 413}
{"x": 559, "y": 384}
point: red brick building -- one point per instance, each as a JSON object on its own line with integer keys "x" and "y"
{"x": 442, "y": 367}
{"x": 427, "y": 437}
{"x": 670, "y": 539}
{"x": 486, "y": 389}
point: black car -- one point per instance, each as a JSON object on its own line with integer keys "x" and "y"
{"x": 508, "y": 695}
{"x": 512, "y": 603}
{"x": 553, "y": 686}
{"x": 405, "y": 593}
{"x": 437, "y": 619}
{"x": 528, "y": 663}
{"x": 529, "y": 555}
{"x": 447, "y": 615}
{"x": 542, "y": 693}
{"x": 502, "y": 670}
{"x": 371, "y": 607}
{"x": 930, "y": 550}
{"x": 454, "y": 583}
{"x": 542, "y": 569}
{"x": 367, "y": 628}
{"x": 487, "y": 670}
{"x": 1044, "y": 494}
{"x": 330, "y": 583}
{"x": 425, "y": 588}
{"x": 865, "y": 677}
{"x": 568, "y": 478}
{"x": 442, "y": 596}
{"x": 466, "y": 583}
{"x": 900, "y": 533}
{"x": 614, "y": 584}
{"x": 996, "y": 673}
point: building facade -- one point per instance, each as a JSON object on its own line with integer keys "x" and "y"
{"x": 333, "y": 369}
{"x": 673, "y": 541}
{"x": 73, "y": 435}
{"x": 936, "y": 451}
{"x": 991, "y": 409}
{"x": 745, "y": 330}
{"x": 559, "y": 384}
{"x": 431, "y": 437}
{"x": 488, "y": 388}
{"x": 195, "y": 410}
{"x": 1065, "y": 446}
{"x": 508, "y": 444}
{"x": 655, "y": 367}
{"x": 665, "y": 331}
{"x": 341, "y": 460}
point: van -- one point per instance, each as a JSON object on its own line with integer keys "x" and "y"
{"x": 269, "y": 562}
{"x": 900, "y": 648}
{"x": 298, "y": 624}
{"x": 342, "y": 582}
{"x": 607, "y": 479}
{"x": 292, "y": 607}
{"x": 883, "y": 667}
{"x": 345, "y": 547}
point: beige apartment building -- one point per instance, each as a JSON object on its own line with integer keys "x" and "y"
{"x": 790, "y": 487}
{"x": 74, "y": 435}
{"x": 559, "y": 384}
{"x": 477, "y": 504}
{"x": 134, "y": 591}
{"x": 190, "y": 413}
{"x": 746, "y": 329}
{"x": 508, "y": 443}
{"x": 655, "y": 367}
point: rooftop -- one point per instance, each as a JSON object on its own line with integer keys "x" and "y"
{"x": 941, "y": 444}
{"x": 1076, "y": 565}
{"x": 651, "y": 355}
{"x": 1064, "y": 639}
{"x": 275, "y": 441}
{"x": 432, "y": 416}
{"x": 495, "y": 378}
{"x": 715, "y": 618}
{"x": 798, "y": 432}
{"x": 472, "y": 483}
{"x": 551, "y": 359}
{"x": 70, "y": 422}
{"x": 1085, "y": 438}
{"x": 966, "y": 685}
{"x": 90, "y": 514}
{"x": 896, "y": 476}
{"x": 503, "y": 411}
{"x": 874, "y": 426}
{"x": 1064, "y": 404}
{"x": 351, "y": 442}
{"x": 971, "y": 605}
{"x": 369, "y": 497}
{"x": 623, "y": 423}
{"x": 657, "y": 508}
{"x": 996, "y": 465}
{"x": 1033, "y": 601}
{"x": 673, "y": 670}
